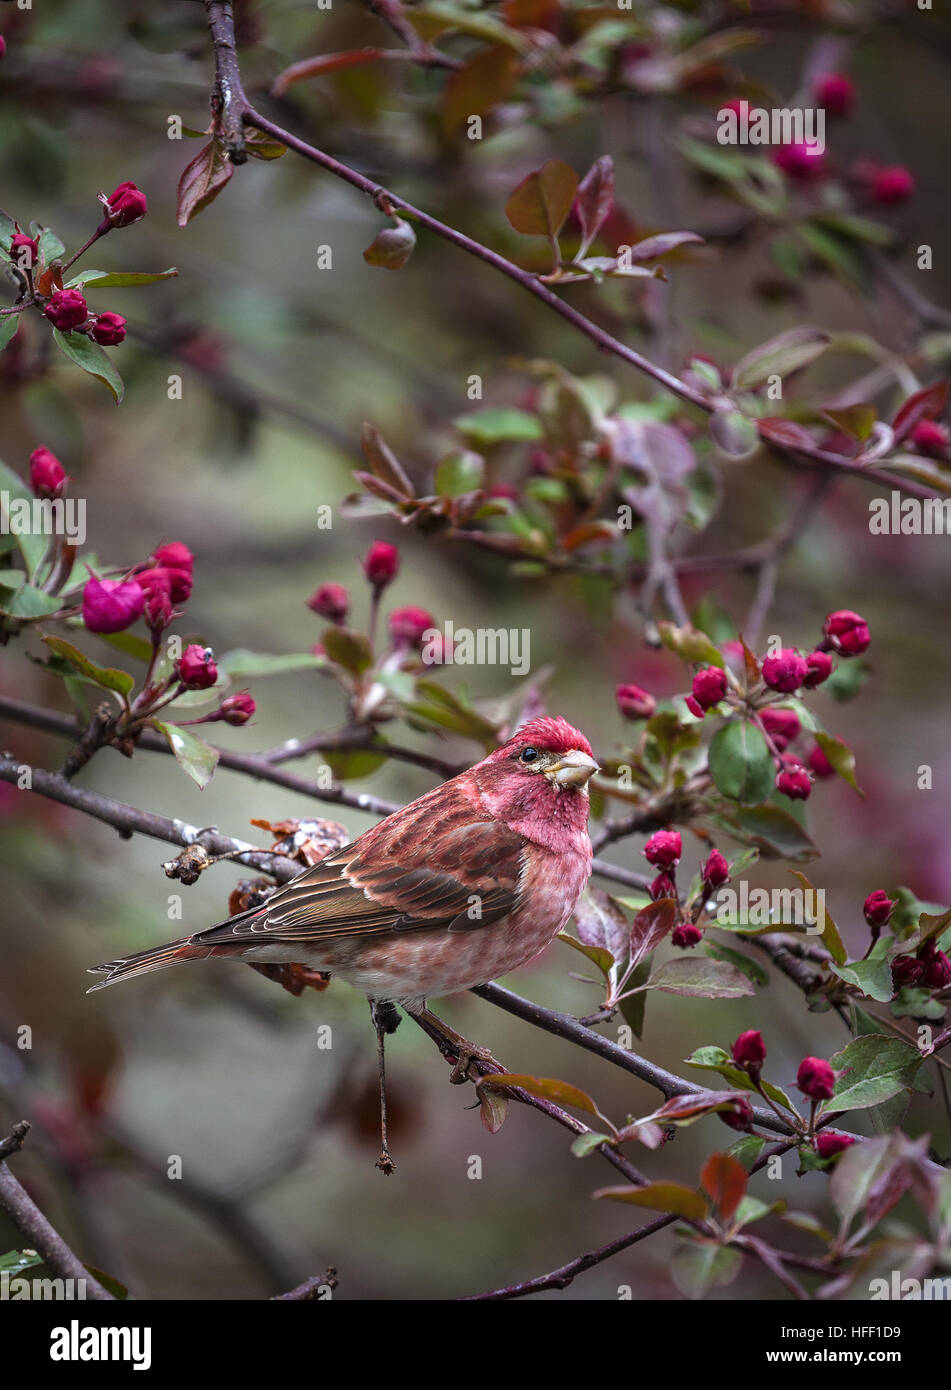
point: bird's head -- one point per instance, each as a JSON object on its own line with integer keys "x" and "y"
{"x": 544, "y": 753}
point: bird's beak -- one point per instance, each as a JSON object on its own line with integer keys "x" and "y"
{"x": 572, "y": 769}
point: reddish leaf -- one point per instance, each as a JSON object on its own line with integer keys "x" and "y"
{"x": 492, "y": 1110}
{"x": 855, "y": 420}
{"x": 654, "y": 246}
{"x": 320, "y": 64}
{"x": 481, "y": 84}
{"x": 785, "y": 433}
{"x": 602, "y": 923}
{"x": 683, "y": 1109}
{"x": 595, "y": 199}
{"x": 543, "y": 200}
{"x": 384, "y": 463}
{"x": 725, "y": 1181}
{"x": 651, "y": 925}
{"x": 202, "y": 180}
{"x": 545, "y": 1087}
{"x": 923, "y": 405}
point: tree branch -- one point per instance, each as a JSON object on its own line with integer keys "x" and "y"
{"x": 30, "y": 1221}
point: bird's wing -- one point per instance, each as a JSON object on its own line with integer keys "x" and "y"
{"x": 438, "y": 864}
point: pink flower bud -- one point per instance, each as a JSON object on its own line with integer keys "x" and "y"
{"x": 126, "y": 205}
{"x": 937, "y": 971}
{"x": 663, "y": 849}
{"x": 739, "y": 1116}
{"x": 330, "y": 601}
{"x": 381, "y": 564}
{"x": 24, "y": 251}
{"x": 795, "y": 783}
{"x": 835, "y": 92}
{"x": 820, "y": 669}
{"x": 906, "y": 971}
{"x": 828, "y": 1143}
{"x": 786, "y": 671}
{"x": 709, "y": 687}
{"x": 749, "y": 1050}
{"x": 159, "y": 609}
{"x": 3, "y": 45}
{"x": 505, "y": 490}
{"x": 174, "y": 555}
{"x": 931, "y": 438}
{"x": 66, "y": 310}
{"x": 782, "y": 725}
{"x": 409, "y": 625}
{"x": 893, "y": 185}
{"x": 695, "y": 709}
{"x": 686, "y": 935}
{"x": 110, "y": 605}
{"x": 47, "y": 475}
{"x": 815, "y": 1078}
{"x": 634, "y": 703}
{"x": 847, "y": 632}
{"x": 196, "y": 668}
{"x": 663, "y": 886}
{"x": 108, "y": 330}
{"x": 800, "y": 161}
{"x": 716, "y": 870}
{"x": 819, "y": 763}
{"x": 237, "y": 709}
{"x": 176, "y": 582}
{"x": 878, "y": 908}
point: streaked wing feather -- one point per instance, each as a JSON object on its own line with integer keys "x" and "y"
{"x": 411, "y": 872}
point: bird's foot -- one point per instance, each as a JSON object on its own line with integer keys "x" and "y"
{"x": 385, "y": 1164}
{"x": 472, "y": 1062}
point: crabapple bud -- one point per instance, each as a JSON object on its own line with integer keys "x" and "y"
{"x": 782, "y": 725}
{"x": 126, "y": 205}
{"x": 108, "y": 330}
{"x": 815, "y": 1078}
{"x": 785, "y": 671}
{"x": 110, "y": 605}
{"x": 878, "y": 908}
{"x": 663, "y": 849}
{"x": 828, "y": 1143}
{"x": 739, "y": 1116}
{"x": 893, "y": 185}
{"x": 635, "y": 703}
{"x": 237, "y": 709}
{"x": 66, "y": 310}
{"x": 177, "y": 582}
{"x": 686, "y": 935}
{"x": 408, "y": 625}
{"x": 715, "y": 871}
{"x": 795, "y": 783}
{"x": 174, "y": 555}
{"x": 819, "y": 764}
{"x": 330, "y": 601}
{"x": 800, "y": 160}
{"x": 24, "y": 251}
{"x": 906, "y": 971}
{"x": 835, "y": 92}
{"x": 847, "y": 632}
{"x": 381, "y": 564}
{"x": 709, "y": 687}
{"x": 47, "y": 475}
{"x": 749, "y": 1050}
{"x": 663, "y": 886}
{"x": 196, "y": 668}
{"x": 931, "y": 438}
{"x": 820, "y": 669}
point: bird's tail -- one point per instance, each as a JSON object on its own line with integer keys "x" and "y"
{"x": 157, "y": 958}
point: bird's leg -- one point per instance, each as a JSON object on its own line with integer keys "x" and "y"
{"x": 294, "y": 978}
{"x": 465, "y": 1051}
{"x": 386, "y": 1019}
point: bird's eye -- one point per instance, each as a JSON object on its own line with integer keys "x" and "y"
{"x": 529, "y": 755}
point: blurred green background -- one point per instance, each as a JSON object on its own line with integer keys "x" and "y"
{"x": 281, "y": 363}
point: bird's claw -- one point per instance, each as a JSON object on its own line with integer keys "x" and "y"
{"x": 464, "y": 1068}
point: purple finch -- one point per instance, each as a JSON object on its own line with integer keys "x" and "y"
{"x": 465, "y": 884}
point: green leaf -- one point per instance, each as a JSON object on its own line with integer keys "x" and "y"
{"x": 51, "y": 248}
{"x": 854, "y": 1175}
{"x": 192, "y": 753}
{"x": 91, "y": 358}
{"x": 348, "y": 764}
{"x": 701, "y": 978}
{"x": 202, "y": 180}
{"x": 348, "y": 649}
{"x": 660, "y": 1196}
{"x": 139, "y": 648}
{"x": 108, "y": 677}
{"x": 29, "y": 603}
{"x": 240, "y": 663}
{"x": 740, "y": 763}
{"x": 15, "y": 1261}
{"x": 786, "y": 353}
{"x": 690, "y": 644}
{"x": 747, "y": 1149}
{"x": 31, "y": 547}
{"x": 750, "y": 968}
{"x": 450, "y": 711}
{"x": 875, "y": 1069}
{"x": 586, "y": 1144}
{"x": 598, "y": 955}
{"x": 8, "y": 327}
{"x": 841, "y": 757}
{"x": 830, "y": 932}
{"x": 696, "y": 1267}
{"x": 873, "y": 976}
{"x": 733, "y": 432}
{"x": 498, "y": 425}
{"x": 542, "y": 201}
{"x": 776, "y": 833}
{"x": 715, "y": 1059}
{"x": 120, "y": 279}
{"x": 459, "y": 473}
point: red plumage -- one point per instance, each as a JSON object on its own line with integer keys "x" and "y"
{"x": 455, "y": 889}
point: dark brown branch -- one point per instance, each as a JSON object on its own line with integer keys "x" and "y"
{"x": 310, "y": 1289}
{"x": 228, "y": 102}
{"x": 31, "y": 1223}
